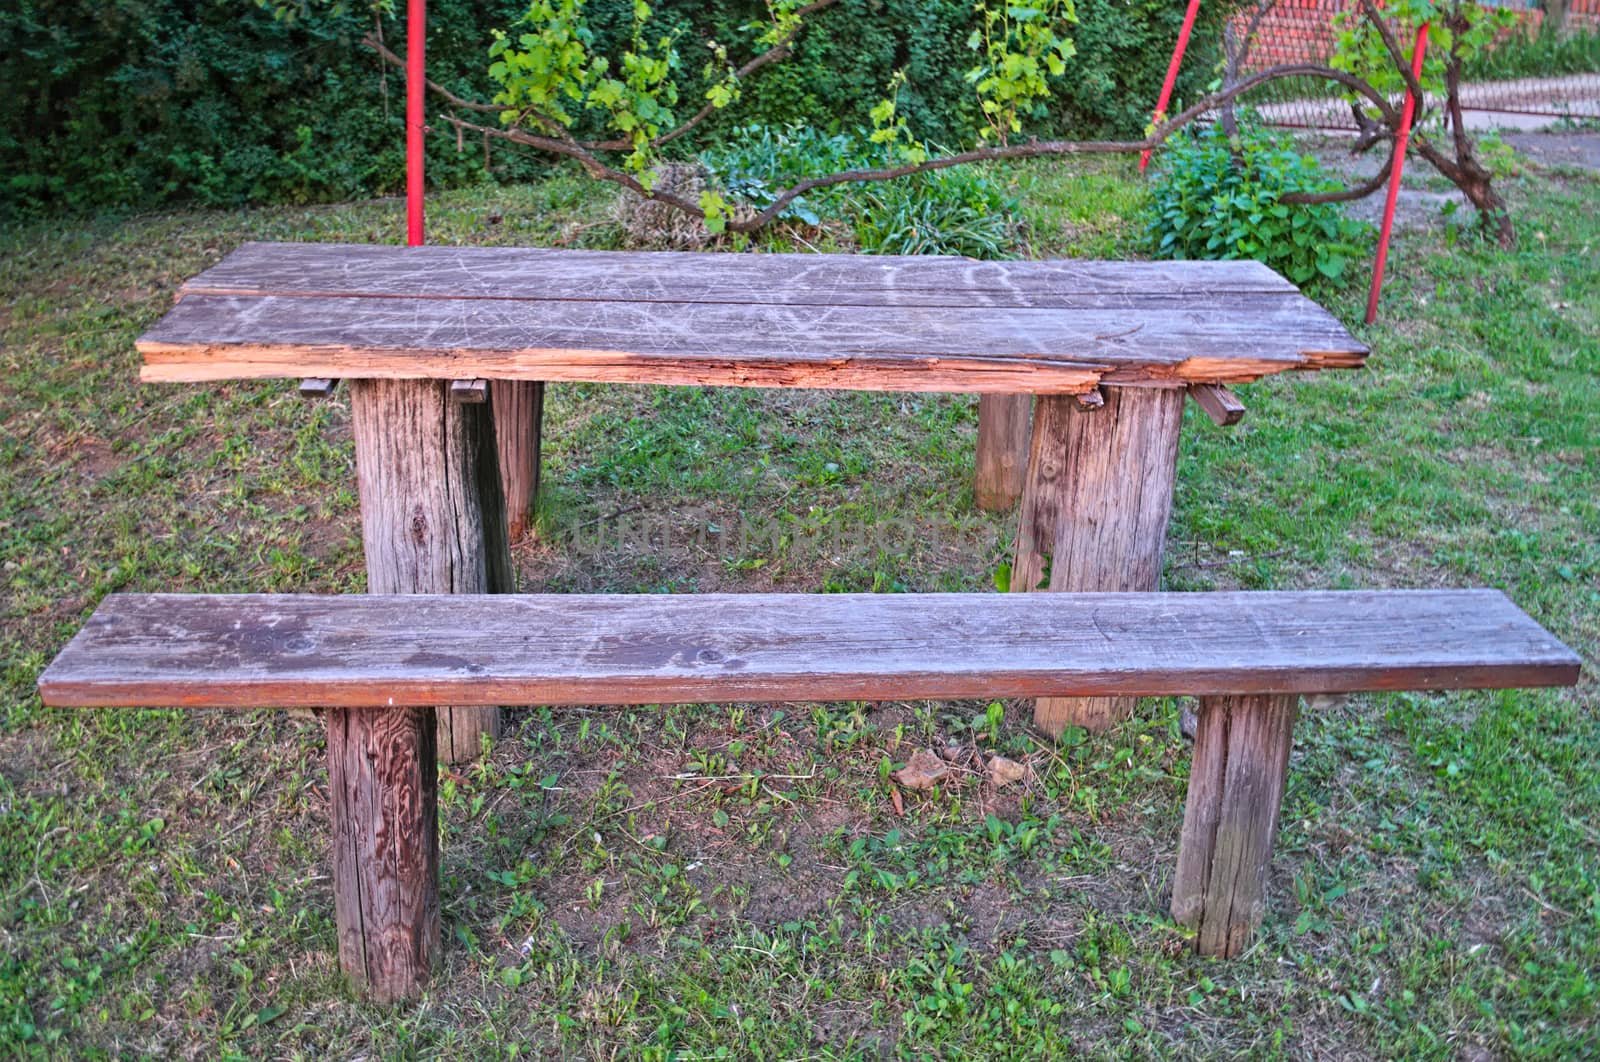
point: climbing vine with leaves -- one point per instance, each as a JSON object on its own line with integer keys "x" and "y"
{"x": 1456, "y": 32}
{"x": 548, "y": 71}
{"x": 548, "y": 75}
{"x": 1020, "y": 46}
{"x": 617, "y": 115}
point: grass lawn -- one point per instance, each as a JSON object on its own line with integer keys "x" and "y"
{"x": 735, "y": 880}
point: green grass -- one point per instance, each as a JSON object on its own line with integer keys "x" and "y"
{"x": 1538, "y": 53}
{"x": 734, "y": 880}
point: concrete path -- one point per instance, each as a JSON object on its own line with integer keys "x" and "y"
{"x": 1526, "y": 103}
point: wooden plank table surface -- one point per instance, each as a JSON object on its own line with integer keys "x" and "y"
{"x": 1082, "y": 369}
{"x": 782, "y": 320}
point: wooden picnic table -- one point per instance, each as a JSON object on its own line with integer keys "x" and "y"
{"x": 1108, "y": 349}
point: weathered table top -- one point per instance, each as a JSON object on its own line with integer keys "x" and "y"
{"x": 758, "y": 320}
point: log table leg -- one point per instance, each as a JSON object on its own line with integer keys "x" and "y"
{"x": 518, "y": 420}
{"x": 1094, "y": 511}
{"x": 1002, "y": 450}
{"x": 1241, "y": 763}
{"x": 432, "y": 519}
{"x": 383, "y": 781}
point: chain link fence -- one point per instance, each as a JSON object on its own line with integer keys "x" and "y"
{"x": 1534, "y": 74}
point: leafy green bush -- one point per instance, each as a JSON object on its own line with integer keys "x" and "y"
{"x": 960, "y": 211}
{"x": 143, "y": 102}
{"x": 1217, "y": 198}
{"x": 754, "y": 163}
{"x": 956, "y": 211}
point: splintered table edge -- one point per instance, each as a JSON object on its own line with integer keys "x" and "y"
{"x": 182, "y": 363}
{"x": 1020, "y": 374}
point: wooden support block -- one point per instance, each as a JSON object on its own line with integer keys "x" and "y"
{"x": 1094, "y": 512}
{"x": 518, "y": 421}
{"x": 473, "y": 392}
{"x": 1041, "y": 495}
{"x": 1220, "y": 404}
{"x": 383, "y": 781}
{"x": 1241, "y": 764}
{"x": 317, "y": 387}
{"x": 432, "y": 516}
{"x": 1002, "y": 450}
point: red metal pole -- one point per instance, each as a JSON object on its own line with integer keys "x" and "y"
{"x": 416, "y": 36}
{"x": 1404, "y": 135}
{"x": 1172, "y": 71}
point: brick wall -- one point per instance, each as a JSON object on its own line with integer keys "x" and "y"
{"x": 1301, "y": 31}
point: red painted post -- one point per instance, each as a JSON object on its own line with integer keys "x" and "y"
{"x": 1172, "y": 71}
{"x": 416, "y": 47}
{"x": 1401, "y": 138}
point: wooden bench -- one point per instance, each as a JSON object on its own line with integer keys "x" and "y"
{"x": 378, "y": 663}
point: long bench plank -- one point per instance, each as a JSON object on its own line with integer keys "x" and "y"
{"x": 352, "y": 651}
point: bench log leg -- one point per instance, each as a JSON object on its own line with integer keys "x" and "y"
{"x": 383, "y": 782}
{"x": 432, "y": 515}
{"x": 1094, "y": 512}
{"x": 1002, "y": 450}
{"x": 518, "y": 420}
{"x": 1241, "y": 764}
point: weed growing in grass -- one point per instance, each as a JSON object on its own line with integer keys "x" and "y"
{"x": 1216, "y": 196}
{"x": 962, "y": 210}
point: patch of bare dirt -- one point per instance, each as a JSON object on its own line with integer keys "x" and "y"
{"x": 1577, "y": 150}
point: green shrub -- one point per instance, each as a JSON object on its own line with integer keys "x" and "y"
{"x": 959, "y": 211}
{"x": 1216, "y": 198}
{"x": 754, "y": 163}
{"x": 138, "y": 103}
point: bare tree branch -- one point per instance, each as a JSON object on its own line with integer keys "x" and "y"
{"x": 1343, "y": 195}
{"x": 1236, "y": 60}
{"x": 574, "y": 150}
{"x": 780, "y": 50}
{"x": 1247, "y": 41}
{"x": 1452, "y": 91}
{"x": 1041, "y": 148}
{"x": 438, "y": 89}
{"x": 584, "y": 153}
